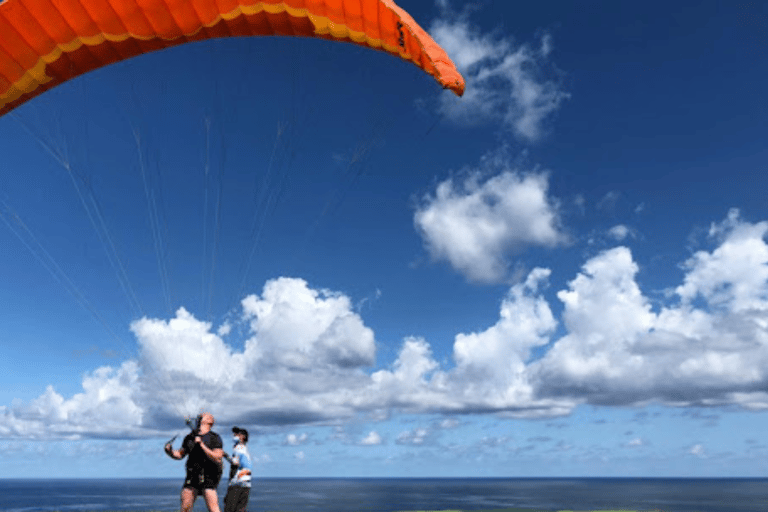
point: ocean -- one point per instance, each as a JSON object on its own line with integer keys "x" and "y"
{"x": 393, "y": 494}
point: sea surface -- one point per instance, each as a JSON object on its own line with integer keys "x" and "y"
{"x": 388, "y": 494}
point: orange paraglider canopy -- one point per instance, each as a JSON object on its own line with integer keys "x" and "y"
{"x": 46, "y": 42}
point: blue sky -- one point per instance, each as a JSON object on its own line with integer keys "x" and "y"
{"x": 564, "y": 272}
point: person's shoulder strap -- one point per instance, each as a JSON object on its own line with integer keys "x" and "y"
{"x": 215, "y": 440}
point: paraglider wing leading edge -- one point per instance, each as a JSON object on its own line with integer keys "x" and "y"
{"x": 46, "y": 42}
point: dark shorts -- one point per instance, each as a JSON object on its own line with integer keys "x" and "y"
{"x": 200, "y": 481}
{"x": 237, "y": 498}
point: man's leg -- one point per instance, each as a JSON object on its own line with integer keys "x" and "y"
{"x": 188, "y": 499}
{"x": 243, "y": 499}
{"x": 228, "y": 504}
{"x": 211, "y": 499}
{"x": 236, "y": 499}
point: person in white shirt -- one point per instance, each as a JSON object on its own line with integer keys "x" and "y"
{"x": 239, "y": 488}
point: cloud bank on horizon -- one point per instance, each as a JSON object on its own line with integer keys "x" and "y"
{"x": 308, "y": 354}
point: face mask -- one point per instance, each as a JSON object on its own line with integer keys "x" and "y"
{"x": 236, "y": 439}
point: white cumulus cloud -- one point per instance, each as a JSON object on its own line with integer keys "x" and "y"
{"x": 302, "y": 362}
{"x": 619, "y": 351}
{"x": 478, "y": 224}
{"x": 619, "y": 232}
{"x": 491, "y": 365}
{"x": 698, "y": 450}
{"x": 734, "y": 275}
{"x": 107, "y": 407}
{"x": 294, "y": 440}
{"x": 372, "y": 439}
{"x": 299, "y": 327}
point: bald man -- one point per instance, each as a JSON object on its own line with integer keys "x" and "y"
{"x": 205, "y": 451}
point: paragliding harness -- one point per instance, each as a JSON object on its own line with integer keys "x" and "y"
{"x": 194, "y": 427}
